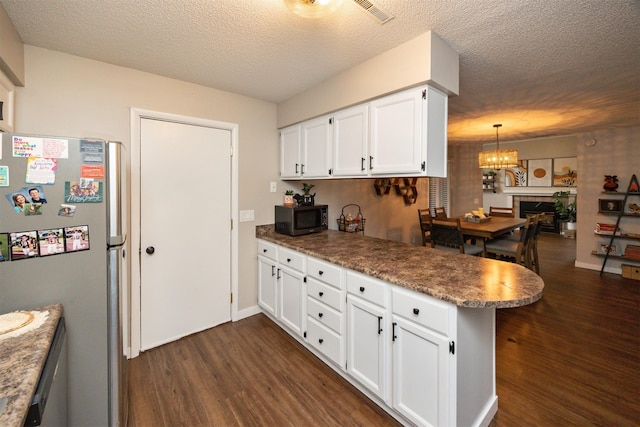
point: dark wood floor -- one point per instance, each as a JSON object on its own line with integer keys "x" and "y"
{"x": 572, "y": 358}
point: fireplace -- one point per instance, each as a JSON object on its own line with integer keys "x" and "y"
{"x": 550, "y": 222}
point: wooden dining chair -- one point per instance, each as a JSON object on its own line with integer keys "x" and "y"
{"x": 447, "y": 235}
{"x": 501, "y": 211}
{"x": 515, "y": 251}
{"x": 424, "y": 216}
{"x": 533, "y": 245}
{"x": 439, "y": 212}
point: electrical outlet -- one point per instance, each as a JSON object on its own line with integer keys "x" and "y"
{"x": 273, "y": 187}
{"x": 248, "y": 215}
{"x": 476, "y": 201}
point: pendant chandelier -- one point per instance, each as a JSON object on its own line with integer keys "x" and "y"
{"x": 497, "y": 159}
{"x": 312, "y": 8}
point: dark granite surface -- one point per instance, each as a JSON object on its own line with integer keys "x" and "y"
{"x": 464, "y": 280}
{"x": 21, "y": 360}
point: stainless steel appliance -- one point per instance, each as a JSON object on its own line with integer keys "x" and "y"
{"x": 73, "y": 254}
{"x": 299, "y": 220}
{"x": 51, "y": 391}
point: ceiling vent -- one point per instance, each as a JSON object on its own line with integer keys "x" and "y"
{"x": 374, "y": 11}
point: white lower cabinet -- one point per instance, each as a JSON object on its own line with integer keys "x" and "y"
{"x": 425, "y": 361}
{"x": 267, "y": 276}
{"x": 420, "y": 373}
{"x": 291, "y": 290}
{"x": 366, "y": 344}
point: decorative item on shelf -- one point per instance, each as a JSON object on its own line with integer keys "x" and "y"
{"x": 608, "y": 248}
{"x": 306, "y": 199}
{"x": 351, "y": 222}
{"x": 607, "y": 229}
{"x": 610, "y": 183}
{"x": 633, "y": 186}
{"x": 610, "y": 206}
{"x": 497, "y": 159}
{"x": 288, "y": 198}
{"x": 634, "y": 209}
{"x": 632, "y": 252}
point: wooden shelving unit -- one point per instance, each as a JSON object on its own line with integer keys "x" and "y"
{"x": 632, "y": 190}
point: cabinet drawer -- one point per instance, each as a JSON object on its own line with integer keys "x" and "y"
{"x": 325, "y": 315}
{"x": 268, "y": 250}
{"x": 325, "y": 293}
{"x": 421, "y": 309}
{"x": 367, "y": 288}
{"x": 324, "y": 271}
{"x": 291, "y": 259}
{"x": 326, "y": 341}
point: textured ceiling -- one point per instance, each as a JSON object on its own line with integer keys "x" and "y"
{"x": 541, "y": 68}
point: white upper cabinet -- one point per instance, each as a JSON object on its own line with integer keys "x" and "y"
{"x": 396, "y": 133}
{"x": 403, "y": 134}
{"x": 351, "y": 141}
{"x": 290, "y": 152}
{"x": 316, "y": 148}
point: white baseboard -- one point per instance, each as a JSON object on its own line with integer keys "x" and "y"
{"x": 247, "y": 312}
{"x": 597, "y": 267}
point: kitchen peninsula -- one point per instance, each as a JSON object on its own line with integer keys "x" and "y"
{"x": 410, "y": 326}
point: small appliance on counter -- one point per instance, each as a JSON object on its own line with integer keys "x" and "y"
{"x": 300, "y": 220}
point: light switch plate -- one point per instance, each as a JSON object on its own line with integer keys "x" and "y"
{"x": 273, "y": 187}
{"x": 246, "y": 216}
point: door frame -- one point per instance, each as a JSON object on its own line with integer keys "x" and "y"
{"x": 137, "y": 114}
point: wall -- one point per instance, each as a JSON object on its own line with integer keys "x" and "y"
{"x": 387, "y": 217}
{"x": 69, "y": 95}
{"x": 424, "y": 59}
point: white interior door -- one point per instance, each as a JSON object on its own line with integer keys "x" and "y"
{"x": 185, "y": 231}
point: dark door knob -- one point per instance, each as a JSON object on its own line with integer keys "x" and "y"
{"x": 150, "y": 250}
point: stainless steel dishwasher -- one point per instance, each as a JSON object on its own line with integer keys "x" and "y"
{"x": 49, "y": 402}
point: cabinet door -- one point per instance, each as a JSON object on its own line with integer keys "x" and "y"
{"x": 396, "y": 133}
{"x": 291, "y": 297}
{"x": 316, "y": 148}
{"x": 290, "y": 152}
{"x": 434, "y": 130}
{"x": 350, "y": 141}
{"x": 420, "y": 374}
{"x": 366, "y": 351}
{"x": 267, "y": 280}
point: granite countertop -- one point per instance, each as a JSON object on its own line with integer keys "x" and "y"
{"x": 21, "y": 361}
{"x": 464, "y": 280}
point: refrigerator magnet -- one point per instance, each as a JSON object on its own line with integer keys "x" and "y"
{"x": 76, "y": 238}
{"x": 24, "y": 244}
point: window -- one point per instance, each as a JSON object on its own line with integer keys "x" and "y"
{"x": 439, "y": 193}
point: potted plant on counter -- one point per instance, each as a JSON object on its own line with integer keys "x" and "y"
{"x": 288, "y": 198}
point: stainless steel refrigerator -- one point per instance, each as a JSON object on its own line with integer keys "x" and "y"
{"x": 62, "y": 239}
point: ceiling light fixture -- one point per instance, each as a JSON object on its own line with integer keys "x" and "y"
{"x": 312, "y": 8}
{"x": 497, "y": 159}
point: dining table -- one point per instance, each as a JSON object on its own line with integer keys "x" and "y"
{"x": 494, "y": 227}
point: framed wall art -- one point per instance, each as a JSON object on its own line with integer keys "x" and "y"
{"x": 610, "y": 206}
{"x": 614, "y": 250}
{"x": 565, "y": 172}
{"x": 517, "y": 176}
{"x": 539, "y": 173}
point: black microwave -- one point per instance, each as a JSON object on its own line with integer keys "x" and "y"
{"x": 299, "y": 220}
